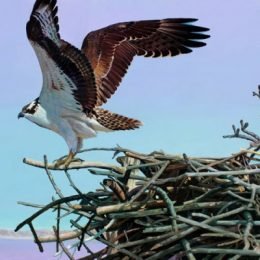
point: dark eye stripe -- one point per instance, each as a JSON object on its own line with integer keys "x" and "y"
{"x": 30, "y": 109}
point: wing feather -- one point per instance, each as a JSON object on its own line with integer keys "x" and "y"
{"x": 111, "y": 50}
{"x": 44, "y": 22}
{"x": 67, "y": 74}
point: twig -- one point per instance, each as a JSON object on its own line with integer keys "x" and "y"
{"x": 224, "y": 251}
{"x": 37, "y": 241}
{"x": 170, "y": 207}
{"x": 49, "y": 206}
{"x": 65, "y": 250}
{"x": 210, "y": 174}
{"x": 54, "y": 185}
{"x": 187, "y": 248}
{"x": 152, "y": 180}
{"x": 75, "y": 166}
{"x": 57, "y": 231}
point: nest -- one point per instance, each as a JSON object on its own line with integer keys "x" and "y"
{"x": 158, "y": 206}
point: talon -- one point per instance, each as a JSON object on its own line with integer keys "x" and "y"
{"x": 60, "y": 159}
{"x": 77, "y": 160}
{"x": 65, "y": 161}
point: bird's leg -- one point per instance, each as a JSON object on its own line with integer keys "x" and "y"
{"x": 65, "y": 161}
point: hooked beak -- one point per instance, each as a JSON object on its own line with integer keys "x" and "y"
{"x": 21, "y": 114}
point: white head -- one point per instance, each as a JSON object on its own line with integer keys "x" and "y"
{"x": 35, "y": 113}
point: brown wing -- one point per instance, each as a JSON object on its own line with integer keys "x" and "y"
{"x": 114, "y": 121}
{"x": 44, "y": 21}
{"x": 110, "y": 50}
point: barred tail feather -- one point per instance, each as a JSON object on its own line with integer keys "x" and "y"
{"x": 114, "y": 121}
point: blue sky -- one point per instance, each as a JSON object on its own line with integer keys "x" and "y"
{"x": 186, "y": 103}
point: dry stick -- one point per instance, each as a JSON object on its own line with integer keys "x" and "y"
{"x": 246, "y": 235}
{"x": 146, "y": 240}
{"x": 84, "y": 229}
{"x": 102, "y": 210}
{"x": 146, "y": 158}
{"x": 63, "y": 236}
{"x": 210, "y": 174}
{"x": 65, "y": 250}
{"x": 170, "y": 207}
{"x": 204, "y": 225}
{"x": 243, "y": 128}
{"x": 75, "y": 209}
{"x": 37, "y": 241}
{"x": 203, "y": 196}
{"x": 231, "y": 193}
{"x": 145, "y": 165}
{"x": 146, "y": 213}
{"x": 187, "y": 248}
{"x": 58, "y": 229}
{"x": 253, "y": 194}
{"x": 69, "y": 235}
{"x": 78, "y": 191}
{"x": 200, "y": 215}
{"x": 162, "y": 229}
{"x": 240, "y": 136}
{"x": 174, "y": 249}
{"x": 189, "y": 162}
{"x": 241, "y": 252}
{"x": 253, "y": 153}
{"x": 98, "y": 234}
{"x": 151, "y": 181}
{"x": 72, "y": 184}
{"x": 47, "y": 207}
{"x": 76, "y": 166}
{"x": 190, "y": 230}
{"x": 133, "y": 170}
{"x": 168, "y": 228}
{"x": 56, "y": 188}
{"x": 114, "y": 149}
{"x": 116, "y": 175}
{"x": 225, "y": 243}
{"x": 252, "y": 187}
{"x": 117, "y": 149}
{"x": 222, "y": 160}
{"x": 124, "y": 251}
{"x": 156, "y": 204}
{"x": 52, "y": 205}
{"x": 139, "y": 214}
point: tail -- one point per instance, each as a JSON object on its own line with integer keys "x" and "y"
{"x": 114, "y": 121}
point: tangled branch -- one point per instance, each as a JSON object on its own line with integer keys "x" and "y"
{"x": 154, "y": 206}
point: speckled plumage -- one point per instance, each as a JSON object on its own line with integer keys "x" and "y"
{"x": 114, "y": 121}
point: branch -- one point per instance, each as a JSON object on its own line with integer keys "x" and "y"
{"x": 75, "y": 166}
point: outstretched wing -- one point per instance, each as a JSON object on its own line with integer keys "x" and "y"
{"x": 67, "y": 75}
{"x": 110, "y": 50}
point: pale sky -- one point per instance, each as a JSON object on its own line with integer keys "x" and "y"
{"x": 186, "y": 103}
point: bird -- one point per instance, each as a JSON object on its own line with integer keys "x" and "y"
{"x": 78, "y": 81}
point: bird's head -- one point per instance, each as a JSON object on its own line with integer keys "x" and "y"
{"x": 32, "y": 111}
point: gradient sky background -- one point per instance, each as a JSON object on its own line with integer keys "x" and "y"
{"x": 186, "y": 103}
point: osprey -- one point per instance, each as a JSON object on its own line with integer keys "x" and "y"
{"x": 76, "y": 83}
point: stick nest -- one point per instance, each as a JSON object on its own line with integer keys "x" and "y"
{"x": 158, "y": 206}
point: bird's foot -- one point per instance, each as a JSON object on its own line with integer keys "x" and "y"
{"x": 64, "y": 161}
